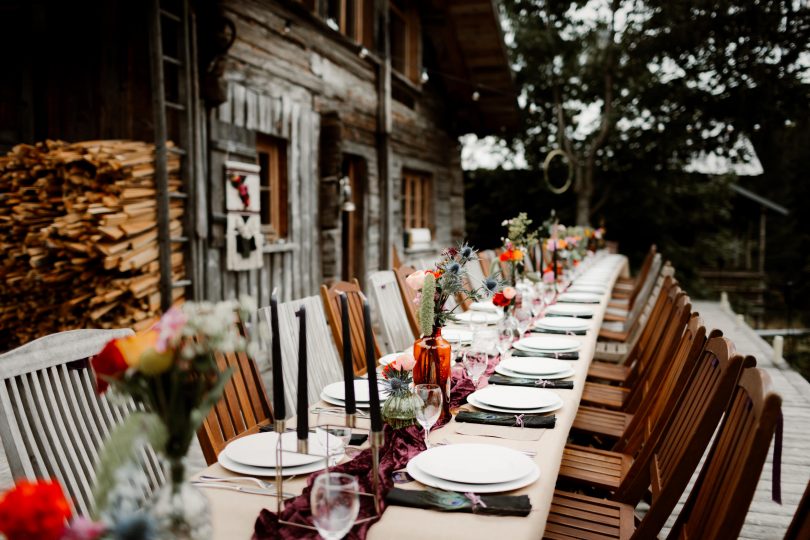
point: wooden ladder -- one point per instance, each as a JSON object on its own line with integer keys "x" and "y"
{"x": 177, "y": 103}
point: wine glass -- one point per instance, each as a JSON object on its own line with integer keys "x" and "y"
{"x": 332, "y": 439}
{"x": 507, "y": 333}
{"x": 431, "y": 407}
{"x": 549, "y": 294}
{"x": 523, "y": 314}
{"x": 335, "y": 503}
{"x": 475, "y": 363}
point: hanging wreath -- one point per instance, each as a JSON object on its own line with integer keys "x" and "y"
{"x": 239, "y": 183}
{"x": 547, "y": 163}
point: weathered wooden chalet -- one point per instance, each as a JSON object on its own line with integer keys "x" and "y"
{"x": 333, "y": 104}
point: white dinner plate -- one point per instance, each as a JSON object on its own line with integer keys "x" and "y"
{"x": 548, "y": 343}
{"x": 594, "y": 289}
{"x": 535, "y": 366}
{"x": 579, "y": 298}
{"x": 388, "y": 358}
{"x": 517, "y": 345}
{"x": 342, "y": 403}
{"x": 471, "y": 463}
{"x": 479, "y": 317}
{"x": 562, "y": 323}
{"x": 337, "y": 390}
{"x": 515, "y": 397}
{"x": 457, "y": 335}
{"x": 486, "y": 306}
{"x": 571, "y": 310}
{"x": 554, "y": 376}
{"x": 249, "y": 470}
{"x": 419, "y": 475}
{"x": 484, "y": 407}
{"x": 259, "y": 450}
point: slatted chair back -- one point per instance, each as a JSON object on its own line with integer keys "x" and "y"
{"x": 386, "y": 300}
{"x": 323, "y": 361}
{"x": 646, "y": 290}
{"x": 331, "y": 305}
{"x": 408, "y": 296}
{"x": 243, "y": 405}
{"x": 53, "y": 424}
{"x": 643, "y": 274}
{"x": 666, "y": 464}
{"x": 476, "y": 273}
{"x": 663, "y": 391}
{"x": 488, "y": 259}
{"x": 799, "y": 528}
{"x": 659, "y": 356}
{"x": 717, "y": 506}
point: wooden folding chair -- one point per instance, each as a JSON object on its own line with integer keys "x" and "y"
{"x": 392, "y": 319}
{"x": 799, "y": 528}
{"x": 718, "y": 503}
{"x": 626, "y": 287}
{"x": 653, "y": 349}
{"x": 629, "y": 430}
{"x": 625, "y": 316}
{"x": 53, "y": 424}
{"x": 331, "y": 305}
{"x": 243, "y": 405}
{"x": 673, "y": 449}
{"x": 408, "y": 296}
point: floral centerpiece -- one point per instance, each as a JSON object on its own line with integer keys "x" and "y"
{"x": 447, "y": 279}
{"x": 399, "y": 409}
{"x": 172, "y": 371}
{"x": 517, "y": 244}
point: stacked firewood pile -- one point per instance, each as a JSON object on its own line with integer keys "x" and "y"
{"x": 78, "y": 238}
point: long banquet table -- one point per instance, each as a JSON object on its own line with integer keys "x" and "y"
{"x": 233, "y": 514}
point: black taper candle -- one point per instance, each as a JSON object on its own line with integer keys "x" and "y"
{"x": 303, "y": 404}
{"x": 371, "y": 363}
{"x": 348, "y": 364}
{"x": 554, "y": 257}
{"x": 279, "y": 407}
{"x": 542, "y": 262}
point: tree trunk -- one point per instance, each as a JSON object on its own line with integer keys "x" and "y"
{"x": 584, "y": 191}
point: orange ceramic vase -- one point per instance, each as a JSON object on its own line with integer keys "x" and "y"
{"x": 432, "y": 354}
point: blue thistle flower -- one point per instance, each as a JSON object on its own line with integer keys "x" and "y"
{"x": 490, "y": 284}
{"x": 138, "y": 526}
{"x": 453, "y": 268}
{"x": 466, "y": 251}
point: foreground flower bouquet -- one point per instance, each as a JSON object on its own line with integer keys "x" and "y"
{"x": 399, "y": 409}
{"x": 172, "y": 371}
{"x": 436, "y": 286}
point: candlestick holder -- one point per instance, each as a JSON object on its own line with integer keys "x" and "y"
{"x": 376, "y": 440}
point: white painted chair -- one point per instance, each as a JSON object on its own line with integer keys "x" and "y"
{"x": 53, "y": 424}
{"x": 386, "y": 303}
{"x": 323, "y": 362}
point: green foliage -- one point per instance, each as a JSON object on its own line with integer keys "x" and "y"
{"x": 138, "y": 429}
{"x": 427, "y": 305}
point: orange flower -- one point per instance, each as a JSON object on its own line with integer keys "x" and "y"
{"x": 120, "y": 354}
{"x": 34, "y": 511}
{"x": 517, "y": 255}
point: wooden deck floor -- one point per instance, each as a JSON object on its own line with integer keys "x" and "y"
{"x": 767, "y": 520}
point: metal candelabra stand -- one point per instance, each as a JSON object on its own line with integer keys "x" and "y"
{"x": 375, "y": 440}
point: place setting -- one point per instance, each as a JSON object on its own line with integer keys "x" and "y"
{"x": 579, "y": 298}
{"x": 561, "y": 325}
{"x": 533, "y": 372}
{"x": 482, "y": 317}
{"x": 335, "y": 394}
{"x": 560, "y": 347}
{"x": 569, "y": 310}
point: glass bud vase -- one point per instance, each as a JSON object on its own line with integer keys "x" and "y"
{"x": 432, "y": 354}
{"x": 180, "y": 510}
{"x": 399, "y": 410}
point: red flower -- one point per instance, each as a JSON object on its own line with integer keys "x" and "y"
{"x": 500, "y": 300}
{"x": 109, "y": 362}
{"x": 506, "y": 255}
{"x": 34, "y": 511}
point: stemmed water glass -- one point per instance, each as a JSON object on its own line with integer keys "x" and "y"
{"x": 332, "y": 438}
{"x": 335, "y": 503}
{"x": 507, "y": 334}
{"x": 427, "y": 413}
{"x": 523, "y": 314}
{"x": 476, "y": 363}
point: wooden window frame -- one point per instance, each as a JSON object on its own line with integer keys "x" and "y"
{"x": 417, "y": 191}
{"x": 363, "y": 19}
{"x": 273, "y": 193}
{"x": 412, "y": 62}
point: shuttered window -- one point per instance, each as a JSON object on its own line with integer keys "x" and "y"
{"x": 406, "y": 40}
{"x": 272, "y": 154}
{"x": 417, "y": 200}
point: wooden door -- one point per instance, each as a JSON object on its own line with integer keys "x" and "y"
{"x": 353, "y": 263}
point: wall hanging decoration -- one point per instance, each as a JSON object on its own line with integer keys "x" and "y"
{"x": 244, "y": 238}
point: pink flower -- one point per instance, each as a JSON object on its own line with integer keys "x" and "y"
{"x": 416, "y": 280}
{"x": 169, "y": 326}
{"x": 509, "y": 292}
{"x": 82, "y": 528}
{"x": 548, "y": 277}
{"x": 406, "y": 362}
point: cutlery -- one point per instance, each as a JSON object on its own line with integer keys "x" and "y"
{"x": 240, "y": 489}
{"x": 264, "y": 488}
{"x": 337, "y": 411}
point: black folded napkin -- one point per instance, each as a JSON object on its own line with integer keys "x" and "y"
{"x": 450, "y": 501}
{"x": 562, "y": 315}
{"x": 497, "y": 378}
{"x": 513, "y": 420}
{"x": 559, "y": 332}
{"x": 558, "y": 356}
